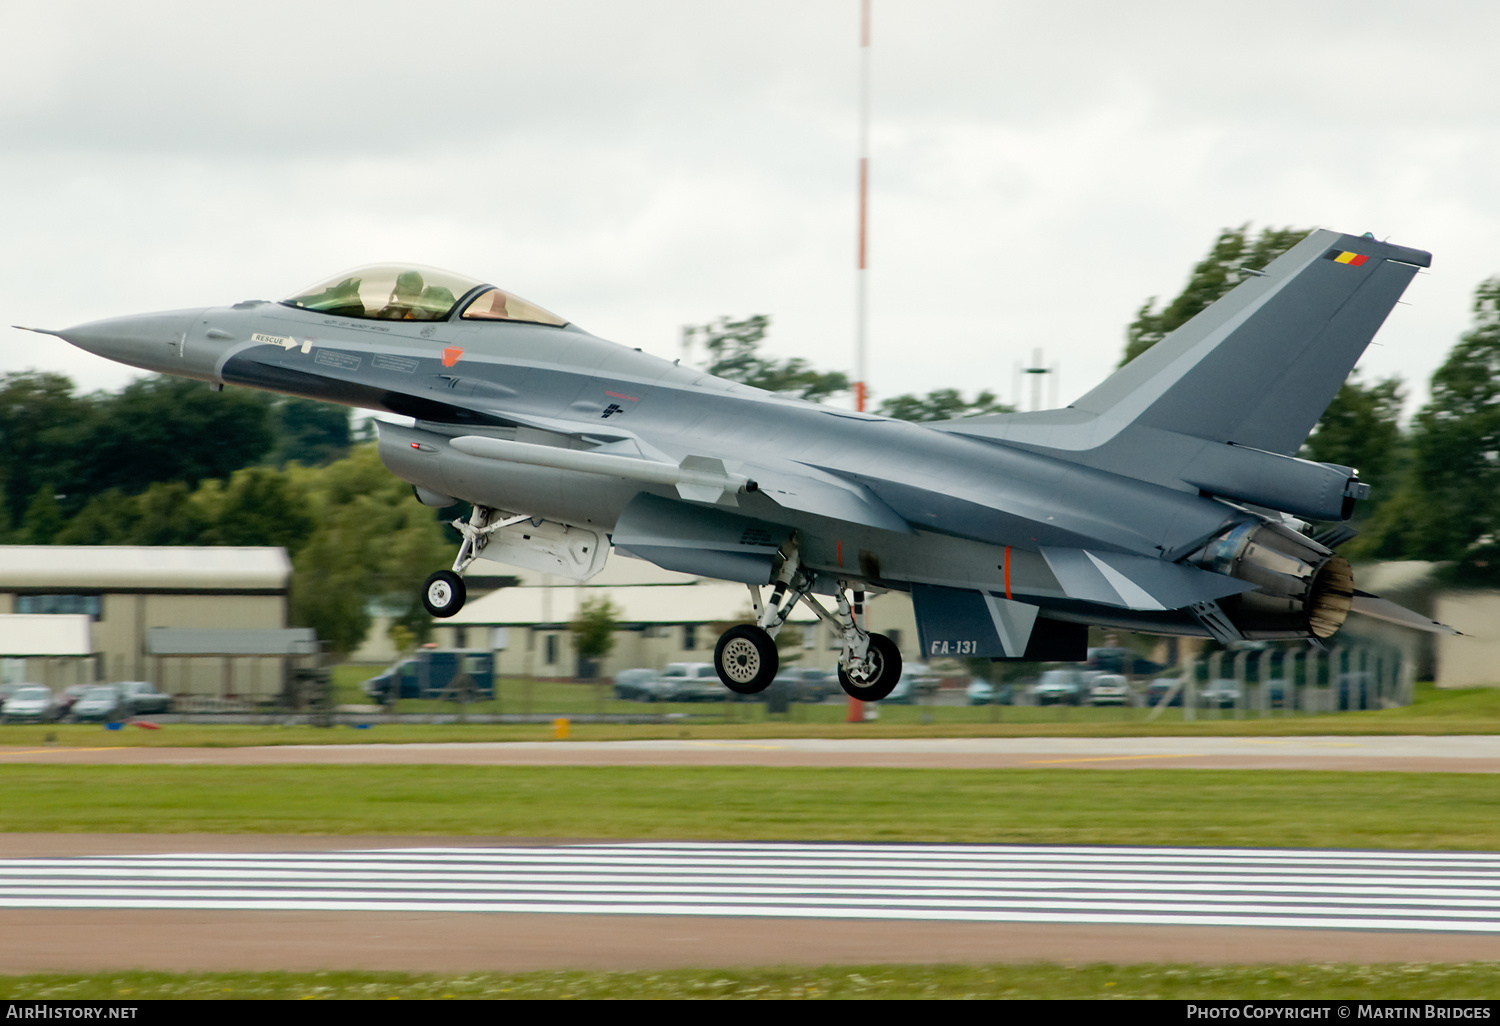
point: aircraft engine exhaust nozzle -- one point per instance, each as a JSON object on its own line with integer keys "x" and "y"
{"x": 1305, "y": 590}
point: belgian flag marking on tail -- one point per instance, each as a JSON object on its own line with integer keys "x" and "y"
{"x": 1340, "y": 256}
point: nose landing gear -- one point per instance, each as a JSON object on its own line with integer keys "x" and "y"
{"x": 444, "y": 593}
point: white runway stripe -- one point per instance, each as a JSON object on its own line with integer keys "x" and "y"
{"x": 1455, "y": 891}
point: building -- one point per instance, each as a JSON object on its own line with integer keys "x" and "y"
{"x": 124, "y": 591}
{"x": 664, "y": 617}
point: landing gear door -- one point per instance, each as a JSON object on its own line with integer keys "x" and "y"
{"x": 549, "y": 548}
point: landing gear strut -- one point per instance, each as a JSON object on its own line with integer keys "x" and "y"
{"x": 746, "y": 658}
{"x": 444, "y": 593}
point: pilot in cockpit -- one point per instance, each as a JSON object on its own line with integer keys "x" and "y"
{"x": 402, "y": 304}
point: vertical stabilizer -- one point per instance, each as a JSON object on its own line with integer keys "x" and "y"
{"x": 1256, "y": 369}
{"x": 1259, "y": 367}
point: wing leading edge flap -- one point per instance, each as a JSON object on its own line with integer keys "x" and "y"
{"x": 1136, "y": 582}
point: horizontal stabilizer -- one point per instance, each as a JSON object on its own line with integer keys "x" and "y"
{"x": 1384, "y": 609}
{"x": 1136, "y": 582}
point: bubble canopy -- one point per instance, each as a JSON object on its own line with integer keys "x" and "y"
{"x": 411, "y": 292}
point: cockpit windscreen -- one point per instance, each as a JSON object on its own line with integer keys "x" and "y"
{"x": 389, "y": 292}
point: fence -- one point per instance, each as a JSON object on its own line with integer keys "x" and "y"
{"x": 1294, "y": 680}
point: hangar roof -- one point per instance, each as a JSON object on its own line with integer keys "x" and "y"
{"x": 138, "y": 567}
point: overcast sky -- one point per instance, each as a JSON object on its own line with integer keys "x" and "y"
{"x": 1039, "y": 170}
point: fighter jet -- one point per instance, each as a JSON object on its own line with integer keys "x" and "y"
{"x": 1169, "y": 499}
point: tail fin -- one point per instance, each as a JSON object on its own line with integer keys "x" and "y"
{"x": 1257, "y": 368}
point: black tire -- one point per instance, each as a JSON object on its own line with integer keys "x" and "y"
{"x": 746, "y": 659}
{"x": 882, "y": 681}
{"x": 444, "y": 594}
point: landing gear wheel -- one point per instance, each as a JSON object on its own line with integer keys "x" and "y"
{"x": 444, "y": 593}
{"x": 746, "y": 659}
{"x": 885, "y": 670}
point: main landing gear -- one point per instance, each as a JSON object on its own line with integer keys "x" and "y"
{"x": 746, "y": 658}
{"x": 444, "y": 593}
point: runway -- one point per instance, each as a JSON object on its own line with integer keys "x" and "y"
{"x": 1413, "y": 754}
{"x": 654, "y": 905}
{"x": 979, "y": 883}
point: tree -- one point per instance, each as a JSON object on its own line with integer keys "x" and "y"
{"x": 593, "y": 633}
{"x": 43, "y": 431}
{"x": 1448, "y": 506}
{"x": 1361, "y": 429}
{"x": 43, "y": 519}
{"x": 372, "y": 540}
{"x": 941, "y": 404}
{"x": 734, "y": 353}
{"x": 174, "y": 429}
{"x": 1231, "y": 259}
{"x": 310, "y": 432}
{"x": 260, "y": 506}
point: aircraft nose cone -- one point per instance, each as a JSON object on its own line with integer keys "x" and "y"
{"x": 151, "y": 341}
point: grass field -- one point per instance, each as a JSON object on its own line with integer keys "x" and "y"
{"x": 1408, "y": 981}
{"x": 1013, "y": 806}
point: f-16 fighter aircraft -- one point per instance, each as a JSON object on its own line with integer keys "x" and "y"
{"x": 1168, "y": 499}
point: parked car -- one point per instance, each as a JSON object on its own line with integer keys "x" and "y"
{"x": 62, "y": 702}
{"x": 982, "y": 692}
{"x": 27, "y": 702}
{"x": 138, "y": 697}
{"x": 96, "y": 702}
{"x": 1109, "y": 689}
{"x": 809, "y": 684}
{"x": 1220, "y": 694}
{"x": 1122, "y": 661}
{"x": 1059, "y": 687}
{"x": 1158, "y": 689}
{"x": 634, "y": 684}
{"x": 917, "y": 679}
{"x": 690, "y": 682}
{"x": 429, "y": 673}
